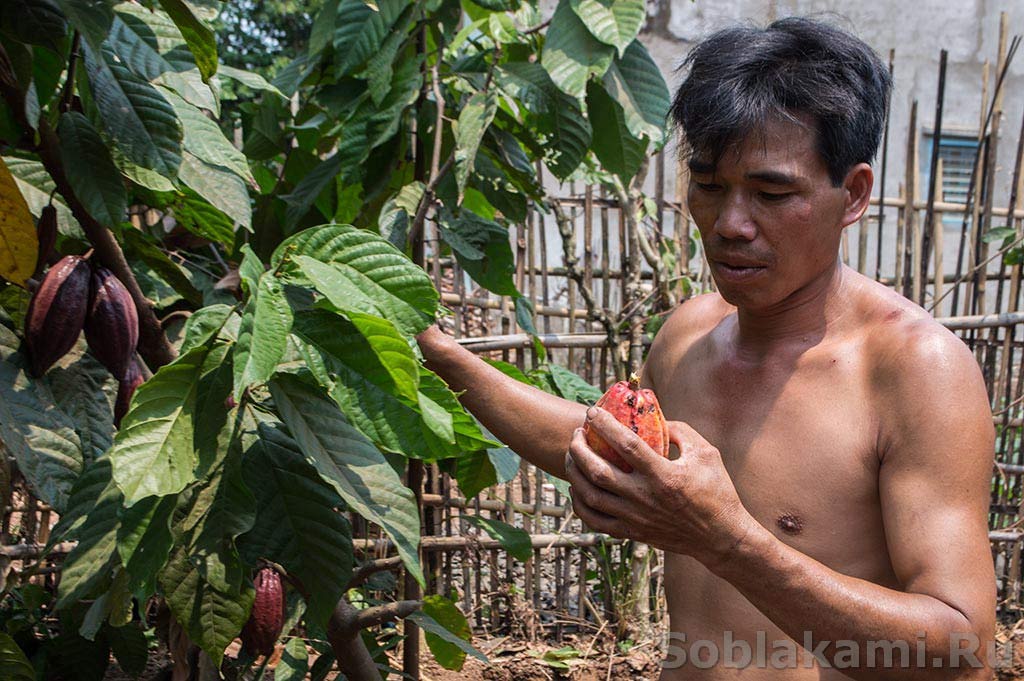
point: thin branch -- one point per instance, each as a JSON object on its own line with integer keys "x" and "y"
{"x": 379, "y": 614}
{"x": 594, "y": 311}
{"x": 153, "y": 344}
{"x": 69, "y": 83}
{"x": 539, "y": 27}
{"x": 366, "y": 570}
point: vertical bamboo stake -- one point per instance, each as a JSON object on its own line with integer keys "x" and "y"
{"x": 975, "y": 205}
{"x": 682, "y": 217}
{"x": 570, "y": 325}
{"x": 929, "y": 215}
{"x": 911, "y": 228}
{"x": 1012, "y": 304}
{"x": 588, "y": 264}
{"x": 937, "y": 229}
{"x": 605, "y": 284}
{"x": 862, "y": 244}
{"x": 901, "y": 228}
{"x": 881, "y": 186}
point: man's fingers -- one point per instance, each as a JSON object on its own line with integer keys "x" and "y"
{"x": 586, "y": 462}
{"x": 630, "y": 446}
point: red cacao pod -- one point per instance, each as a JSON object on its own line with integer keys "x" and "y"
{"x": 46, "y": 231}
{"x": 637, "y": 409}
{"x": 260, "y": 633}
{"x": 57, "y": 312}
{"x": 125, "y": 389}
{"x": 112, "y": 325}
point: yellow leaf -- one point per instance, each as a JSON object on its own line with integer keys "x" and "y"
{"x": 19, "y": 245}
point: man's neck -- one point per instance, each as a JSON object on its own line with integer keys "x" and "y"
{"x": 798, "y": 322}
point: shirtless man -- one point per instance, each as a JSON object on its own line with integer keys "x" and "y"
{"x": 833, "y": 443}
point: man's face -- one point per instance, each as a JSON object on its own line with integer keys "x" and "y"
{"x": 768, "y": 215}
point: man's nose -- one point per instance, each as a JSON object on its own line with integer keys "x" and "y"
{"x": 734, "y": 219}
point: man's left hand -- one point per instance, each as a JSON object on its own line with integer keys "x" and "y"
{"x": 688, "y": 505}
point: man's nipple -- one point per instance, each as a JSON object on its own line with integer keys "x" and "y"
{"x": 790, "y": 523}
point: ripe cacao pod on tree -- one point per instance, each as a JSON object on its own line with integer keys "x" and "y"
{"x": 125, "y": 389}
{"x": 260, "y": 633}
{"x": 637, "y": 409}
{"x": 112, "y": 325}
{"x": 56, "y": 312}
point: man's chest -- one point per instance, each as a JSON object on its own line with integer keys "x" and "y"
{"x": 799, "y": 443}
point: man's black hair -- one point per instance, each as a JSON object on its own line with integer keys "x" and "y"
{"x": 743, "y": 77}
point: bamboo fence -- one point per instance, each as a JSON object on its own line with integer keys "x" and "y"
{"x": 590, "y": 263}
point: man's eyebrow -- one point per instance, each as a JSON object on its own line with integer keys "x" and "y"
{"x": 701, "y": 167}
{"x": 772, "y": 177}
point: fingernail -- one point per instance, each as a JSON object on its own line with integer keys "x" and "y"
{"x": 591, "y": 413}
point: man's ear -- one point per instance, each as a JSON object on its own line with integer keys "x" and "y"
{"x": 857, "y": 186}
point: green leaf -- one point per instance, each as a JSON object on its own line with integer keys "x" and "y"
{"x": 37, "y": 22}
{"x": 515, "y": 540}
{"x": 36, "y": 185}
{"x": 206, "y": 141}
{"x": 198, "y": 216}
{"x": 152, "y": 46}
{"x": 137, "y": 245}
{"x": 137, "y": 119}
{"x": 468, "y": 434}
{"x": 93, "y": 506}
{"x": 294, "y": 661}
{"x": 223, "y": 189}
{"x": 263, "y": 335}
{"x": 198, "y": 36}
{"x": 498, "y": 5}
{"x": 212, "y": 618}
{"x": 297, "y": 524}
{"x": 130, "y": 646}
{"x": 394, "y": 218}
{"x": 40, "y": 435}
{"x": 144, "y": 539}
{"x": 635, "y": 82}
{"x": 351, "y": 464}
{"x": 154, "y": 452}
{"x": 617, "y": 150}
{"x": 613, "y": 22}
{"x": 474, "y": 473}
{"x": 524, "y": 315}
{"x": 210, "y": 322}
{"x": 13, "y": 663}
{"x": 92, "y": 18}
{"x": 572, "y": 387}
{"x": 322, "y": 32}
{"x": 571, "y": 54}
{"x": 999, "y": 234}
{"x": 90, "y": 170}
{"x": 83, "y": 389}
{"x": 474, "y": 118}
{"x": 359, "y": 269}
{"x": 250, "y": 271}
{"x": 482, "y": 248}
{"x": 309, "y": 188}
{"x": 447, "y": 632}
{"x": 250, "y": 79}
{"x": 361, "y": 29}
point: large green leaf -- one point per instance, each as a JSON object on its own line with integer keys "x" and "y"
{"x": 351, "y": 464}
{"x": 474, "y": 118}
{"x": 250, "y": 79}
{"x": 212, "y": 618}
{"x": 139, "y": 246}
{"x": 558, "y": 115}
{"x": 13, "y": 663}
{"x": 203, "y": 219}
{"x": 135, "y": 116}
{"x": 474, "y": 473}
{"x": 614, "y": 22}
{"x": 36, "y": 185}
{"x": 39, "y": 434}
{"x": 294, "y": 664}
{"x": 212, "y": 321}
{"x": 361, "y": 29}
{"x": 572, "y": 387}
{"x": 309, "y": 188}
{"x": 468, "y": 434}
{"x": 571, "y": 54}
{"x": 263, "y": 335}
{"x": 359, "y": 269}
{"x": 374, "y": 379}
{"x": 144, "y": 539}
{"x": 199, "y": 37}
{"x": 223, "y": 189}
{"x": 635, "y": 82}
{"x": 83, "y": 389}
{"x": 482, "y": 248}
{"x": 515, "y": 540}
{"x": 90, "y": 170}
{"x": 153, "y": 47}
{"x": 37, "y": 22}
{"x": 204, "y": 139}
{"x": 154, "y": 452}
{"x": 447, "y": 632}
{"x": 617, "y": 150}
{"x": 93, "y": 508}
{"x": 92, "y": 18}
{"x": 297, "y": 522}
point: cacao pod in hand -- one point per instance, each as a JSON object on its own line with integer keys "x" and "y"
{"x": 56, "y": 312}
{"x": 112, "y": 325}
{"x": 125, "y": 389}
{"x": 260, "y": 633}
{"x": 46, "y": 231}
{"x": 638, "y": 410}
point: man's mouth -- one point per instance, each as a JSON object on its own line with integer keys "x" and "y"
{"x": 738, "y": 271}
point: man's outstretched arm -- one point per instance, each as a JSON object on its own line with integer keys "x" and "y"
{"x": 934, "y": 481}
{"x": 534, "y": 424}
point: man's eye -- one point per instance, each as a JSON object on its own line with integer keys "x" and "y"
{"x": 707, "y": 187}
{"x": 770, "y": 196}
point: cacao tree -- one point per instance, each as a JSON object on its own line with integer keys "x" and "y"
{"x": 273, "y": 266}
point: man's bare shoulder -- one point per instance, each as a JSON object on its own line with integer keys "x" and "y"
{"x": 693, "y": 319}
